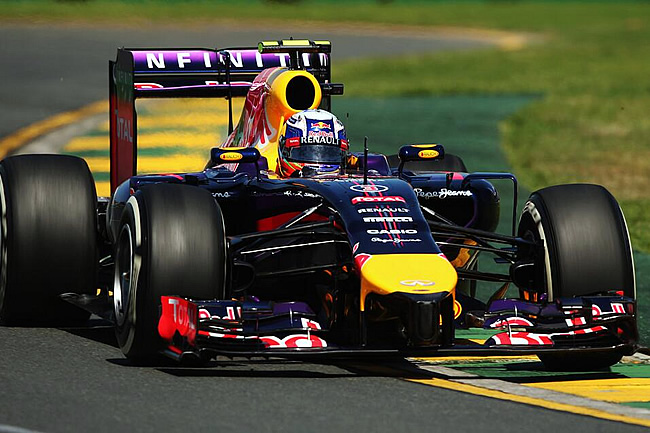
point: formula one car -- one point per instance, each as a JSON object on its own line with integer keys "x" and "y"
{"x": 344, "y": 254}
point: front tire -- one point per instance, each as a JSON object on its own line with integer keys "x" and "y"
{"x": 171, "y": 242}
{"x": 587, "y": 251}
{"x": 586, "y": 241}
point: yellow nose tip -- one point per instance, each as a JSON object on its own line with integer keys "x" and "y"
{"x": 384, "y": 274}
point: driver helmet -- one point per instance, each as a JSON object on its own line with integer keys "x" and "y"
{"x": 313, "y": 142}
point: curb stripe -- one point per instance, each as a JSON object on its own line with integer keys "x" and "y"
{"x": 471, "y": 389}
{"x": 35, "y": 130}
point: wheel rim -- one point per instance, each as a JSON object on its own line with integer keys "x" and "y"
{"x": 123, "y": 278}
{"x": 536, "y": 231}
{"x": 3, "y": 246}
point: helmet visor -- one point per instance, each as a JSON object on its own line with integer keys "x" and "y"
{"x": 316, "y": 153}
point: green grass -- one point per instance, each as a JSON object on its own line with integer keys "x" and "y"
{"x": 589, "y": 124}
{"x": 513, "y": 14}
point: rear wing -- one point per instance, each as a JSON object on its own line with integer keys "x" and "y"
{"x": 197, "y": 73}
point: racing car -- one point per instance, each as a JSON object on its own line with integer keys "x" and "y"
{"x": 288, "y": 244}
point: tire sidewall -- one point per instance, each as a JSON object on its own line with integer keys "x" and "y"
{"x": 129, "y": 302}
{"x": 3, "y": 245}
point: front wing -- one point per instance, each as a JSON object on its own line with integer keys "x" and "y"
{"x": 292, "y": 330}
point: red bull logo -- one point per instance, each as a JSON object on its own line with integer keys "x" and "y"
{"x": 321, "y": 125}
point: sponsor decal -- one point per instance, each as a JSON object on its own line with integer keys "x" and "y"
{"x": 369, "y": 188}
{"x": 383, "y": 209}
{"x": 595, "y": 310}
{"x": 381, "y": 219}
{"x": 293, "y": 341}
{"x": 320, "y": 134}
{"x": 386, "y": 199}
{"x": 413, "y": 283}
{"x": 178, "y": 316}
{"x": 392, "y": 232}
{"x": 205, "y": 60}
{"x": 291, "y": 193}
{"x": 321, "y": 125}
{"x": 224, "y": 194}
{"x": 533, "y": 339}
{"x": 576, "y": 321}
{"x": 428, "y": 153}
{"x": 233, "y": 314}
{"x": 308, "y": 323}
{"x": 442, "y": 194}
{"x": 355, "y": 248}
{"x": 318, "y": 138}
{"x": 394, "y": 241}
{"x": 231, "y": 156}
{"x": 124, "y": 129}
{"x": 521, "y": 339}
{"x": 511, "y": 321}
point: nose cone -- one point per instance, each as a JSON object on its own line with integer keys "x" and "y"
{"x": 418, "y": 288}
{"x": 416, "y": 274}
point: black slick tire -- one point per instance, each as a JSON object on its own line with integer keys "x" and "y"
{"x": 587, "y": 252}
{"x": 48, "y": 242}
{"x": 171, "y": 242}
{"x": 586, "y": 241}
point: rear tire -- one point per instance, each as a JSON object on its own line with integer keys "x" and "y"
{"x": 451, "y": 162}
{"x": 171, "y": 242}
{"x": 48, "y": 241}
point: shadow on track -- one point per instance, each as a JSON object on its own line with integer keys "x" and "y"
{"x": 98, "y": 330}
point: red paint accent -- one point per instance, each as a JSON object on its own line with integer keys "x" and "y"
{"x": 178, "y": 316}
{"x": 273, "y": 222}
{"x": 147, "y": 86}
{"x": 361, "y": 259}
{"x": 177, "y": 176}
{"x": 122, "y": 135}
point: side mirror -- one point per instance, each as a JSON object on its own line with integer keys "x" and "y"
{"x": 419, "y": 152}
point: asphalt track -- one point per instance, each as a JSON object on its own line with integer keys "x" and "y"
{"x": 77, "y": 380}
